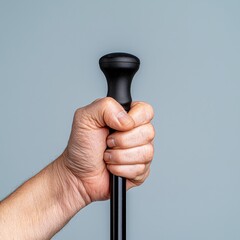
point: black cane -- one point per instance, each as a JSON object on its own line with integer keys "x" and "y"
{"x": 119, "y": 69}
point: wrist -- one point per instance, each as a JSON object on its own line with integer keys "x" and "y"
{"x": 44, "y": 204}
{"x": 72, "y": 193}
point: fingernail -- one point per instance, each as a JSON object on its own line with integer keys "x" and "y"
{"x": 107, "y": 156}
{"x": 111, "y": 142}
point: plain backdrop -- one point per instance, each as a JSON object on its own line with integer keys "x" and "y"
{"x": 190, "y": 73}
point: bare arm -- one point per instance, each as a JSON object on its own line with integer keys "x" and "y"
{"x": 42, "y": 205}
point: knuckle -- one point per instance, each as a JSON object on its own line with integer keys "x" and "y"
{"x": 137, "y": 170}
{"x": 139, "y": 103}
{"x": 152, "y": 111}
{"x": 145, "y": 176}
{"x": 108, "y": 101}
{"x": 148, "y": 109}
{"x": 105, "y": 103}
{"x": 140, "y": 169}
{"x": 149, "y": 151}
{"x": 97, "y": 100}
{"x": 139, "y": 180}
{"x": 78, "y": 113}
{"x": 150, "y": 132}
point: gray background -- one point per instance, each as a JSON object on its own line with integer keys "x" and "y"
{"x": 190, "y": 73}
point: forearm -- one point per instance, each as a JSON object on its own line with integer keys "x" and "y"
{"x": 42, "y": 205}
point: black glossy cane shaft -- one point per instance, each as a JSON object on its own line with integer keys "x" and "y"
{"x": 118, "y": 208}
{"x": 119, "y": 69}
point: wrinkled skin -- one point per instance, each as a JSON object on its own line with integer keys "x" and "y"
{"x": 92, "y": 153}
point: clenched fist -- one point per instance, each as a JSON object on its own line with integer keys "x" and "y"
{"x": 92, "y": 152}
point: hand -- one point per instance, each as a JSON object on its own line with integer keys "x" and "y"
{"x": 47, "y": 201}
{"x": 92, "y": 153}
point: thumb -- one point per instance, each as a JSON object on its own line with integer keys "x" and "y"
{"x": 108, "y": 112}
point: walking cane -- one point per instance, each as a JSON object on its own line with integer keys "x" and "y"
{"x": 119, "y": 69}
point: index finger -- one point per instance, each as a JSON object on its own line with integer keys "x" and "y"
{"x": 141, "y": 112}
